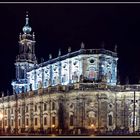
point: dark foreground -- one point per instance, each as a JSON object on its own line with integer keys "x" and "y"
{"x": 65, "y": 135}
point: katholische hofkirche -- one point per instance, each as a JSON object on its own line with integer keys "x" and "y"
{"x": 74, "y": 93}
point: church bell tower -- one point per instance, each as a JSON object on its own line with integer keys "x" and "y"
{"x": 26, "y": 58}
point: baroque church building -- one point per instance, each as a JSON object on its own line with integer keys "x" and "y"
{"x": 74, "y": 93}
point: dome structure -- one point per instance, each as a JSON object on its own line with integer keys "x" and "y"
{"x": 27, "y": 29}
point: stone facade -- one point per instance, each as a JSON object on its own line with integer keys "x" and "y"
{"x": 81, "y": 105}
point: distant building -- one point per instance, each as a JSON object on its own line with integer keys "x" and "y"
{"x": 75, "y": 93}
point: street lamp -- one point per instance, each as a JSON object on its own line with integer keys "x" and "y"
{"x": 26, "y": 127}
{"x": 53, "y": 126}
{"x": 92, "y": 127}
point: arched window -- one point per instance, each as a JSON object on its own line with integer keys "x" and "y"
{"x": 110, "y": 120}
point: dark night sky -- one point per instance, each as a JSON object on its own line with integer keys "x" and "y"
{"x": 62, "y": 25}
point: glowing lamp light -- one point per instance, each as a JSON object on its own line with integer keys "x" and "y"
{"x": 53, "y": 126}
{"x": 92, "y": 125}
{"x": 26, "y": 126}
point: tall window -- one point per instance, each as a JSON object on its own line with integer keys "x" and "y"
{"x": 11, "y": 110}
{"x": 53, "y": 120}
{"x": 71, "y": 120}
{"x": 35, "y": 121}
{"x": 12, "y": 123}
{"x": 26, "y": 108}
{"x": 27, "y": 121}
{"x": 5, "y": 112}
{"x": 45, "y": 106}
{"x": 35, "y": 108}
{"x": 53, "y": 106}
{"x": 110, "y": 119}
{"x": 45, "y": 120}
{"x": 18, "y": 122}
{"x": 19, "y": 109}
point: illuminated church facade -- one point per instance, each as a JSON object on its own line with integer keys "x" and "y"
{"x": 76, "y": 91}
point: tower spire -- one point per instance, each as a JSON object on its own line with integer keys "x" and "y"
{"x": 25, "y": 59}
{"x": 27, "y": 18}
{"x": 27, "y": 29}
